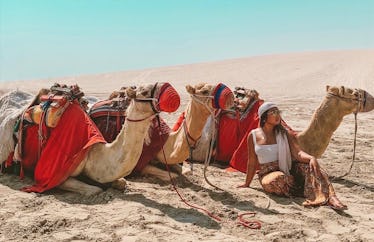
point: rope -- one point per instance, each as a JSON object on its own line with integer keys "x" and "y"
{"x": 175, "y": 187}
{"x": 209, "y": 152}
{"x": 249, "y": 224}
{"x": 361, "y": 102}
{"x": 354, "y": 153}
{"x": 208, "y": 155}
{"x": 242, "y": 221}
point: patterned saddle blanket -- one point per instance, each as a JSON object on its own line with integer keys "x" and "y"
{"x": 109, "y": 116}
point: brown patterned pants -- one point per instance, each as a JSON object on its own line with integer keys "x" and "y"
{"x": 317, "y": 189}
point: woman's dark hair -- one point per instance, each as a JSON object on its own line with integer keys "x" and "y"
{"x": 278, "y": 128}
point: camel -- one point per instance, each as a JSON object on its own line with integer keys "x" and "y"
{"x": 245, "y": 100}
{"x": 178, "y": 143}
{"x": 110, "y": 162}
{"x": 339, "y": 102}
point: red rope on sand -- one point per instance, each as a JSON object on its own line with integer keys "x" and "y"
{"x": 249, "y": 224}
{"x": 255, "y": 224}
{"x": 184, "y": 200}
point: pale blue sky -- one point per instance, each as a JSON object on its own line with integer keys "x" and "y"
{"x": 52, "y": 38}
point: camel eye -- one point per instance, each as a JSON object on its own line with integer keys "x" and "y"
{"x": 144, "y": 92}
{"x": 205, "y": 92}
{"x": 355, "y": 93}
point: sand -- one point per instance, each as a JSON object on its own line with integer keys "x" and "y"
{"x": 150, "y": 210}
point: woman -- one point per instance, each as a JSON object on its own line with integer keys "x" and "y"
{"x": 284, "y": 168}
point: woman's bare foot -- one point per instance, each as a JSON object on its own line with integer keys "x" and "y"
{"x": 336, "y": 204}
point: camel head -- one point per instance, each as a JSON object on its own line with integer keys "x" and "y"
{"x": 120, "y": 93}
{"x": 214, "y": 96}
{"x": 244, "y": 97}
{"x": 353, "y": 100}
{"x": 159, "y": 97}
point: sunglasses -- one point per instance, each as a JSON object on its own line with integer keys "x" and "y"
{"x": 275, "y": 112}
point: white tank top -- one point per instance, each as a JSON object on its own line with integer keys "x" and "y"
{"x": 265, "y": 153}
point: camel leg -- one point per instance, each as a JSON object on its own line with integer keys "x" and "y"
{"x": 177, "y": 168}
{"x": 119, "y": 184}
{"x": 157, "y": 172}
{"x": 187, "y": 168}
{"x": 73, "y": 185}
{"x": 184, "y": 169}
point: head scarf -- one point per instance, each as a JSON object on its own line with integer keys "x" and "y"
{"x": 265, "y": 107}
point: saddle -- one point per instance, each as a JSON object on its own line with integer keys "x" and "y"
{"x": 45, "y": 111}
{"x": 52, "y": 105}
{"x": 109, "y": 115}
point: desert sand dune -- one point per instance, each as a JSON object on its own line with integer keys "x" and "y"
{"x": 150, "y": 210}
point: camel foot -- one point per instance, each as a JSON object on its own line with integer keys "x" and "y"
{"x": 119, "y": 184}
{"x": 187, "y": 169}
{"x": 157, "y": 172}
{"x": 73, "y": 185}
{"x": 93, "y": 191}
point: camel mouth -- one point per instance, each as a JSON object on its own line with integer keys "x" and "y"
{"x": 223, "y": 97}
{"x": 168, "y": 99}
{"x": 368, "y": 103}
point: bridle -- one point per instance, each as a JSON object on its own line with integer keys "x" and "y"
{"x": 153, "y": 102}
{"x": 192, "y": 145}
{"x": 360, "y": 99}
{"x": 361, "y": 102}
{"x": 215, "y": 103}
{"x": 195, "y": 97}
{"x": 154, "y": 99}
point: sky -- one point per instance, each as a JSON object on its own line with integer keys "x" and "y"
{"x": 41, "y": 39}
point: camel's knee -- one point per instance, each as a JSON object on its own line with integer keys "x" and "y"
{"x": 73, "y": 185}
{"x": 157, "y": 172}
{"x": 119, "y": 184}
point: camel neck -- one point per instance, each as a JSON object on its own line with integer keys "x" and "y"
{"x": 119, "y": 158}
{"x": 177, "y": 147}
{"x": 325, "y": 120}
{"x": 196, "y": 117}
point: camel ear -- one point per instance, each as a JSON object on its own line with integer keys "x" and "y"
{"x": 131, "y": 93}
{"x": 190, "y": 89}
{"x": 253, "y": 94}
{"x": 43, "y": 91}
{"x": 342, "y": 90}
{"x": 334, "y": 90}
{"x": 327, "y": 88}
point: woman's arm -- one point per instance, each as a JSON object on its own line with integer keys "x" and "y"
{"x": 252, "y": 162}
{"x": 301, "y": 155}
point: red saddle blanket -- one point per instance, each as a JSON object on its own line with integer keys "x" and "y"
{"x": 231, "y": 132}
{"x": 63, "y": 150}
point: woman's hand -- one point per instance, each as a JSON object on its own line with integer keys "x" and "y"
{"x": 314, "y": 166}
